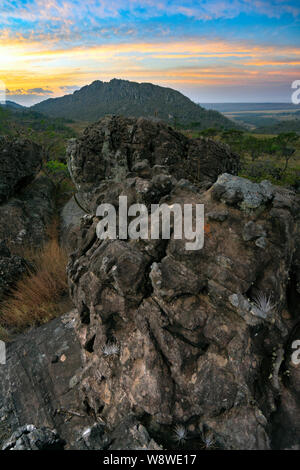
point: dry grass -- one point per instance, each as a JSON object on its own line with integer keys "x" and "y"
{"x": 42, "y": 293}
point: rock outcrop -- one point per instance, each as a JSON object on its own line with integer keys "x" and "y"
{"x": 71, "y": 215}
{"x": 26, "y": 215}
{"x": 116, "y": 146}
{"x": 11, "y": 269}
{"x": 167, "y": 347}
{"x": 20, "y": 160}
{"x": 195, "y": 339}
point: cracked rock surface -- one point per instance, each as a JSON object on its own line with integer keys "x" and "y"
{"x": 193, "y": 346}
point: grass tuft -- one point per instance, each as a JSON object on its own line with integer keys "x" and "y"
{"x": 41, "y": 294}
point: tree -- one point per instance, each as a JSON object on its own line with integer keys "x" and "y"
{"x": 209, "y": 132}
{"x": 286, "y": 147}
{"x": 253, "y": 146}
{"x": 233, "y": 138}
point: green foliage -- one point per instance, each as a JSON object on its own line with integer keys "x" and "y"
{"x": 289, "y": 125}
{"x": 51, "y": 133}
{"x": 265, "y": 157}
{"x": 209, "y": 132}
{"x": 55, "y": 166}
{"x": 234, "y": 138}
{"x": 133, "y": 99}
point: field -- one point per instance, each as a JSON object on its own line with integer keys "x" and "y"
{"x": 264, "y": 117}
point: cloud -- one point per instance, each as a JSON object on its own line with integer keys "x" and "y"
{"x": 69, "y": 88}
{"x": 45, "y": 72}
{"x": 40, "y": 91}
{"x": 53, "y": 47}
{"x": 68, "y": 13}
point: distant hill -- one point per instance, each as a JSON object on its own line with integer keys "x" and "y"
{"x": 12, "y": 105}
{"x": 242, "y": 107}
{"x": 132, "y": 99}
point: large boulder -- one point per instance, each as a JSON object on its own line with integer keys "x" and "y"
{"x": 115, "y": 146}
{"x": 25, "y": 216}
{"x": 20, "y": 160}
{"x": 26, "y": 198}
{"x": 186, "y": 340}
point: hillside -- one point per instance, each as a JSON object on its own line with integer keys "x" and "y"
{"x": 132, "y": 99}
{"x": 12, "y": 105}
{"x": 51, "y": 133}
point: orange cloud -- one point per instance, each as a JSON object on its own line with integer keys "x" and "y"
{"x": 26, "y": 63}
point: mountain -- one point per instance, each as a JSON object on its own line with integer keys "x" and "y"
{"x": 12, "y": 105}
{"x": 132, "y": 99}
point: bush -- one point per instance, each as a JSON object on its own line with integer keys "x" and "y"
{"x": 266, "y": 170}
{"x": 56, "y": 167}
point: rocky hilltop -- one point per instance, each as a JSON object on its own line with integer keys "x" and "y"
{"x": 194, "y": 347}
{"x": 131, "y": 99}
{"x": 166, "y": 348}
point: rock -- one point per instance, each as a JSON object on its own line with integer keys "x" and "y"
{"x": 11, "y": 269}
{"x": 132, "y": 435}
{"x": 94, "y": 437}
{"x": 34, "y": 389}
{"x": 71, "y": 215}
{"x": 193, "y": 349}
{"x": 29, "y": 437}
{"x": 218, "y": 216}
{"x": 167, "y": 338}
{"x": 20, "y": 160}
{"x": 25, "y": 217}
{"x": 129, "y": 435}
{"x": 286, "y": 419}
{"x": 114, "y": 146}
{"x": 234, "y": 190}
{"x": 252, "y": 231}
{"x": 261, "y": 242}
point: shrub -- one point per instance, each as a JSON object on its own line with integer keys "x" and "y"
{"x": 55, "y": 166}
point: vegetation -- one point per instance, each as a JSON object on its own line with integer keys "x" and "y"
{"x": 276, "y": 158}
{"x": 42, "y": 293}
{"x": 291, "y": 125}
{"x": 51, "y": 133}
{"x": 98, "y": 99}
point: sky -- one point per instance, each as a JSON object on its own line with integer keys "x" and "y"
{"x": 212, "y": 51}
